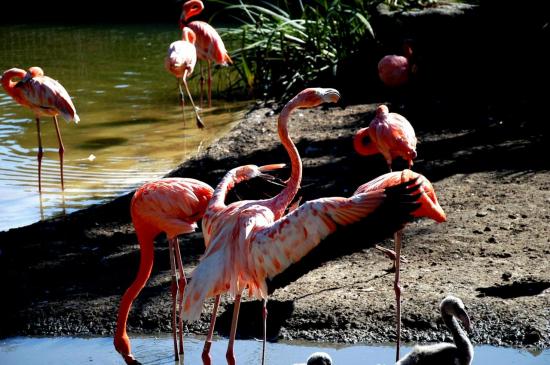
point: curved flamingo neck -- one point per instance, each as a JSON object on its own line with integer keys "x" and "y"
{"x": 192, "y": 8}
{"x": 146, "y": 240}
{"x": 461, "y": 340}
{"x": 227, "y": 183}
{"x": 280, "y": 202}
{"x": 361, "y": 146}
{"x": 9, "y": 85}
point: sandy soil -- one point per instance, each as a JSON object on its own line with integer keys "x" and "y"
{"x": 65, "y": 276}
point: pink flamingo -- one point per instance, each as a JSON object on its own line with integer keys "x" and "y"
{"x": 227, "y": 230}
{"x": 209, "y": 44}
{"x": 394, "y": 70}
{"x": 45, "y": 97}
{"x": 180, "y": 61}
{"x": 390, "y": 134}
{"x": 429, "y": 208}
{"x": 172, "y": 206}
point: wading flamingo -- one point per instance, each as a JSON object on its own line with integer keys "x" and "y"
{"x": 395, "y": 70}
{"x": 209, "y": 44}
{"x": 459, "y": 353}
{"x": 180, "y": 61}
{"x": 226, "y": 233}
{"x": 429, "y": 208}
{"x": 45, "y": 97}
{"x": 389, "y": 134}
{"x": 172, "y": 206}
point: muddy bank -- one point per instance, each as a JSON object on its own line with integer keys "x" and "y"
{"x": 65, "y": 276}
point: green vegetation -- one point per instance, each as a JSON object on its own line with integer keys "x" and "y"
{"x": 281, "y": 47}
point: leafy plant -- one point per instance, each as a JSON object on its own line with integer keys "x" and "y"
{"x": 285, "y": 47}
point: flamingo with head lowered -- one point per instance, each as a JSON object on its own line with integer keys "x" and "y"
{"x": 172, "y": 206}
{"x": 209, "y": 44}
{"x": 45, "y": 97}
{"x": 180, "y": 61}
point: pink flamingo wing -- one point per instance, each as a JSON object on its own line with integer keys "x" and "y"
{"x": 290, "y": 238}
{"x": 47, "y": 96}
{"x": 209, "y": 44}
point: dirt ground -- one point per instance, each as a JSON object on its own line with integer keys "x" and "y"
{"x": 65, "y": 276}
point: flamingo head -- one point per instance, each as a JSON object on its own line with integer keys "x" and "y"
{"x": 189, "y": 9}
{"x": 313, "y": 97}
{"x": 247, "y": 172}
{"x": 33, "y": 72}
{"x": 382, "y": 110}
{"x": 188, "y": 35}
{"x": 122, "y": 345}
{"x": 453, "y": 306}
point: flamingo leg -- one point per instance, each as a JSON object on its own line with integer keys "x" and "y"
{"x": 201, "y": 82}
{"x": 61, "y": 149}
{"x": 200, "y": 124}
{"x": 39, "y": 155}
{"x": 206, "y": 359}
{"x": 174, "y": 289}
{"x": 182, "y": 96}
{"x": 230, "y": 354}
{"x": 209, "y": 84}
{"x": 182, "y": 283}
{"x": 264, "y": 315}
{"x": 397, "y": 288}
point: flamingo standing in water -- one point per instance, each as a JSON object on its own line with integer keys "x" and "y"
{"x": 226, "y": 231}
{"x": 45, "y": 97}
{"x": 180, "y": 61}
{"x": 394, "y": 70}
{"x": 389, "y": 134}
{"x": 172, "y": 206}
{"x": 209, "y": 44}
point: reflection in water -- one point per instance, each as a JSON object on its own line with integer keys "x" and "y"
{"x": 149, "y": 350}
{"x": 130, "y": 115}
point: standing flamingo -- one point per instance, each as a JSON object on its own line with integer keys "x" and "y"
{"x": 429, "y": 208}
{"x": 209, "y": 44}
{"x": 172, "y": 206}
{"x": 44, "y": 96}
{"x": 390, "y": 134}
{"x": 180, "y": 62}
{"x": 394, "y": 70}
{"x": 227, "y": 234}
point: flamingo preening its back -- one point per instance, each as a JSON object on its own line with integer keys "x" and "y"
{"x": 180, "y": 62}
{"x": 45, "y": 97}
{"x": 209, "y": 44}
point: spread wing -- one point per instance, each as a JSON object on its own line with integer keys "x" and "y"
{"x": 278, "y": 245}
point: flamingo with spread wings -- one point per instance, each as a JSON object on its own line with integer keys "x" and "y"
{"x": 209, "y": 44}
{"x": 226, "y": 232}
{"x": 44, "y": 96}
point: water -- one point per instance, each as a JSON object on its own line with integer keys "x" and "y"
{"x": 131, "y": 120}
{"x": 66, "y": 350}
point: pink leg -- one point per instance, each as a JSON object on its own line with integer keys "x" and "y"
{"x": 182, "y": 283}
{"x": 209, "y": 84}
{"x": 61, "y": 149}
{"x": 182, "y": 97}
{"x": 206, "y": 359}
{"x": 39, "y": 155}
{"x": 200, "y": 124}
{"x": 264, "y": 315}
{"x": 201, "y": 82}
{"x": 230, "y": 354}
{"x": 397, "y": 288}
{"x": 174, "y": 289}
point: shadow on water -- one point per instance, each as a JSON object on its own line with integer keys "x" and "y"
{"x": 99, "y": 143}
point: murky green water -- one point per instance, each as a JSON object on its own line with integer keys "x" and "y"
{"x": 131, "y": 119}
{"x": 148, "y": 350}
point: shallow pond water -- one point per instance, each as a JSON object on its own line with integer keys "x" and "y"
{"x": 149, "y": 350}
{"x": 131, "y": 118}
